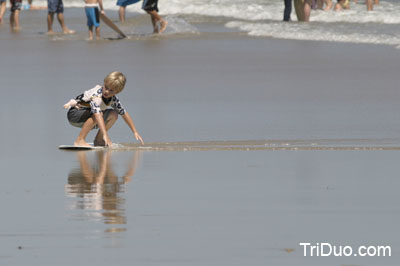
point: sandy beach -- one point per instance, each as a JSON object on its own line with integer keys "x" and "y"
{"x": 200, "y": 206}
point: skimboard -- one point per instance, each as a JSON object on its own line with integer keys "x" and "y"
{"x": 111, "y": 24}
{"x": 79, "y": 148}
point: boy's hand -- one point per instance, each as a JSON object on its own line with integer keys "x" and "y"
{"x": 103, "y": 12}
{"x": 71, "y": 103}
{"x": 107, "y": 141}
{"x": 139, "y": 138}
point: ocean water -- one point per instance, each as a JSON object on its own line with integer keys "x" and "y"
{"x": 263, "y": 18}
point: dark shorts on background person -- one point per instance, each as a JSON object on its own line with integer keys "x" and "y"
{"x": 150, "y": 5}
{"x": 15, "y": 5}
{"x": 77, "y": 117}
{"x": 55, "y": 6}
{"x": 93, "y": 16}
{"x": 125, "y": 3}
{"x": 2, "y": 1}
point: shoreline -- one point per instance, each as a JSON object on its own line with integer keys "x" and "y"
{"x": 138, "y": 28}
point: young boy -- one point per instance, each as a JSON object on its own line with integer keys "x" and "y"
{"x": 90, "y": 110}
{"x": 151, "y": 7}
{"x": 93, "y": 16}
{"x": 14, "y": 17}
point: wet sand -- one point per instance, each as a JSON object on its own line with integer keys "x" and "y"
{"x": 200, "y": 206}
{"x": 197, "y": 208}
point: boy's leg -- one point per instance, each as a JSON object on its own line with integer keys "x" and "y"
{"x": 320, "y": 4}
{"x": 163, "y": 24}
{"x": 90, "y": 32}
{"x": 14, "y": 20}
{"x": 87, "y": 126}
{"x": 298, "y": 7}
{"x": 110, "y": 119}
{"x": 50, "y": 18}
{"x": 369, "y": 5}
{"x": 2, "y": 11}
{"x": 313, "y": 4}
{"x": 121, "y": 13}
{"x": 155, "y": 19}
{"x": 287, "y": 10}
{"x": 97, "y": 33}
{"x": 307, "y": 10}
{"x": 150, "y": 6}
{"x": 60, "y": 18}
{"x": 328, "y": 5}
{"x": 51, "y": 9}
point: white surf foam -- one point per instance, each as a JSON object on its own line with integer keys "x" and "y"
{"x": 263, "y": 18}
{"x": 178, "y": 25}
{"x": 307, "y": 32}
{"x": 387, "y": 12}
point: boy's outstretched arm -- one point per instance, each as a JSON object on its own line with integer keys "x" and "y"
{"x": 102, "y": 127}
{"x": 128, "y": 120}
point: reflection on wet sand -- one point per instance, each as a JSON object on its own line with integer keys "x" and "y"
{"x": 96, "y": 188}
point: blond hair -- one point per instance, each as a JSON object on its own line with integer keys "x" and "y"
{"x": 116, "y": 81}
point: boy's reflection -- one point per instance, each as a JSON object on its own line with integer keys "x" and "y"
{"x": 99, "y": 191}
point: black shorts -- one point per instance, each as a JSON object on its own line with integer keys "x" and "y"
{"x": 77, "y": 117}
{"x": 15, "y": 5}
{"x": 150, "y": 5}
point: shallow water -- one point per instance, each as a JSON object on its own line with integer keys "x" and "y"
{"x": 259, "y": 18}
{"x": 257, "y": 145}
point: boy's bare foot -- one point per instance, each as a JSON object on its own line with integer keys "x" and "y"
{"x": 68, "y": 31}
{"x": 163, "y": 26}
{"x": 81, "y": 143}
{"x": 50, "y": 32}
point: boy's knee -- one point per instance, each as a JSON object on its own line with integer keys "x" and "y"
{"x": 113, "y": 115}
